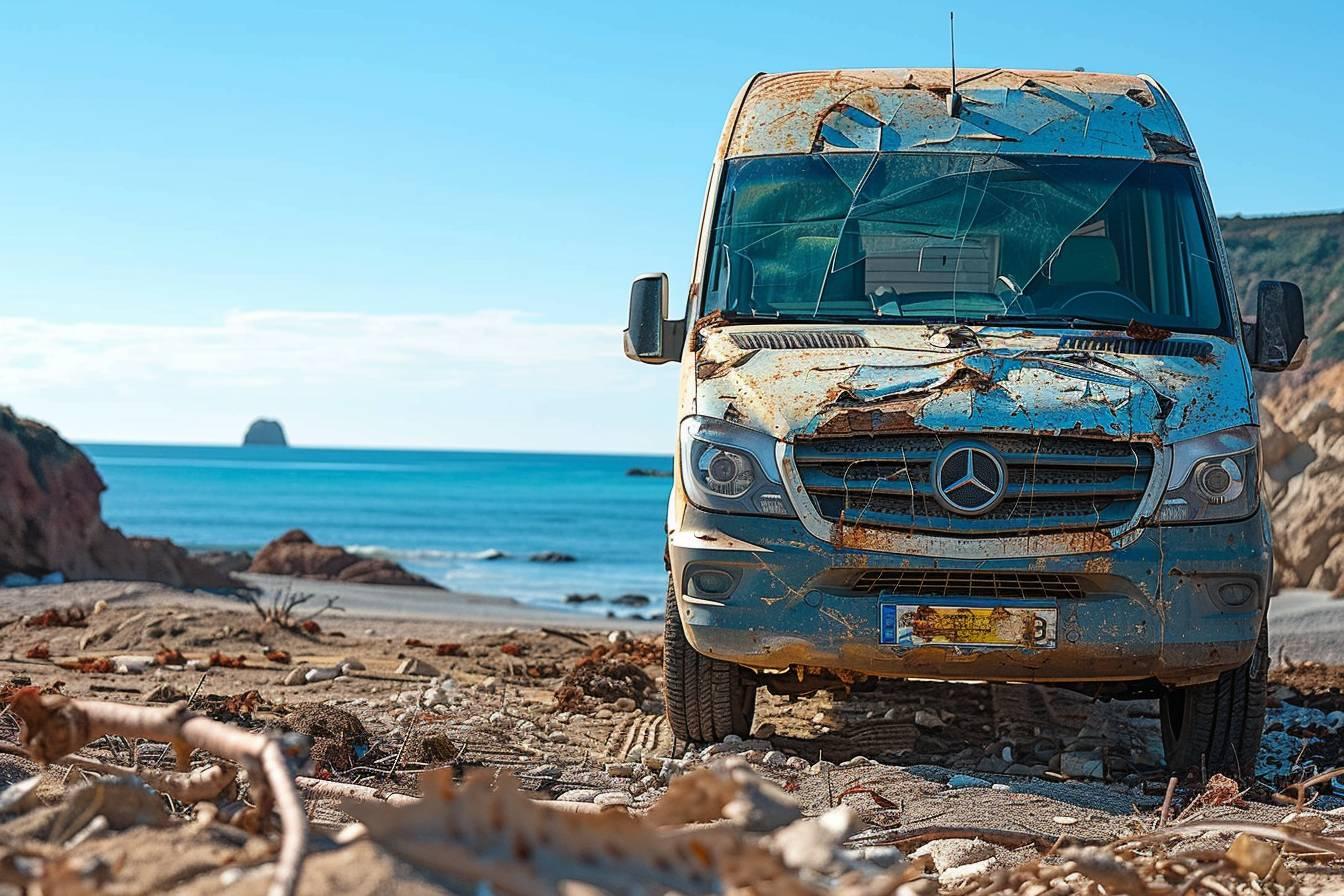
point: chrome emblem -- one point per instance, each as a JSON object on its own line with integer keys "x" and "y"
{"x": 969, "y": 479}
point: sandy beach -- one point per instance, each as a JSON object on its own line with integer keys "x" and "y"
{"x": 399, "y": 683}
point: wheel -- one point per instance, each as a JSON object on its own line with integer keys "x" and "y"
{"x": 706, "y": 699}
{"x": 1215, "y": 726}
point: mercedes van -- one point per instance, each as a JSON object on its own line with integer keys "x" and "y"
{"x": 966, "y": 394}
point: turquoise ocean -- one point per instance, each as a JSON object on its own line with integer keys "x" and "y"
{"x": 438, "y": 513}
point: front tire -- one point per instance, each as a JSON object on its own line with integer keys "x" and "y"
{"x": 1216, "y": 726}
{"x": 706, "y": 699}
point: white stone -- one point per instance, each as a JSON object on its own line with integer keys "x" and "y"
{"x": 926, "y": 719}
{"x": 612, "y": 798}
{"x": 954, "y": 852}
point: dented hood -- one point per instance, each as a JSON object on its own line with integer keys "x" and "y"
{"x": 990, "y": 379}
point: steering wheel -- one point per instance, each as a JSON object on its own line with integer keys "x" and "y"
{"x": 1107, "y": 292}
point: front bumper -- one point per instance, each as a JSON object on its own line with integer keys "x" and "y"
{"x": 1156, "y": 608}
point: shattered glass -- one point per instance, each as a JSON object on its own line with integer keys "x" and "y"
{"x": 961, "y": 237}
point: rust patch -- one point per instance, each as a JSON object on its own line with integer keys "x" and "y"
{"x": 1140, "y": 330}
{"x": 892, "y": 418}
{"x": 708, "y": 370}
{"x": 1099, "y": 565}
{"x": 709, "y": 322}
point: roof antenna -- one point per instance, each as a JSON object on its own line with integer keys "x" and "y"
{"x": 953, "y": 98}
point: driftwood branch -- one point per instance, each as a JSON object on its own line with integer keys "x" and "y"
{"x": 55, "y": 726}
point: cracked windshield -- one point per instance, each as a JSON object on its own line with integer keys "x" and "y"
{"x": 963, "y": 238}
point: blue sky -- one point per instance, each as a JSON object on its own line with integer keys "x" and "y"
{"x": 415, "y": 224}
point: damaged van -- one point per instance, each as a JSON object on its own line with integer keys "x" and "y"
{"x": 966, "y": 394}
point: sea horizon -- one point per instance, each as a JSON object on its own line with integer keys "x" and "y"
{"x": 86, "y": 444}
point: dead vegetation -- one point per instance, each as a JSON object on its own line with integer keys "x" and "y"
{"x": 281, "y": 609}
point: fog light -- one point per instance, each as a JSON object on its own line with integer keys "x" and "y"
{"x": 711, "y": 582}
{"x": 772, "y": 504}
{"x": 1234, "y": 594}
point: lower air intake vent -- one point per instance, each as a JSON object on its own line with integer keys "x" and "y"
{"x": 1124, "y": 345}
{"x": 782, "y": 339}
{"x": 957, "y": 583}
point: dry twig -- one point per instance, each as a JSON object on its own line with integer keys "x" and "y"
{"x": 55, "y": 726}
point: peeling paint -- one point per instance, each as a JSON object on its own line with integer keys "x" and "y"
{"x": 1003, "y": 110}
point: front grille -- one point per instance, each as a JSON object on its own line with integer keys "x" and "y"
{"x": 1054, "y": 483}
{"x": 934, "y": 583}
{"x": 785, "y": 339}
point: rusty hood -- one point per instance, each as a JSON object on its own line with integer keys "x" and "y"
{"x": 888, "y": 378}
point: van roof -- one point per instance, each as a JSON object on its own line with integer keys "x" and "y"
{"x": 1005, "y": 111}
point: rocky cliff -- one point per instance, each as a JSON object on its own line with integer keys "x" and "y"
{"x": 296, "y": 554}
{"x": 265, "y": 432}
{"x": 1303, "y": 441}
{"x": 51, "y": 517}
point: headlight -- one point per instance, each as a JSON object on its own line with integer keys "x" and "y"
{"x": 1213, "y": 477}
{"x": 730, "y": 468}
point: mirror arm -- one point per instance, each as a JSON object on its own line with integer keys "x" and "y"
{"x": 674, "y": 339}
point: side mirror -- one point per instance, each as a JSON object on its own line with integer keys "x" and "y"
{"x": 1276, "y": 341}
{"x": 651, "y": 337}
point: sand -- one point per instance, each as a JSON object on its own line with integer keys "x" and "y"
{"x": 494, "y": 704}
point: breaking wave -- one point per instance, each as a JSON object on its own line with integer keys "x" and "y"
{"x": 422, "y": 555}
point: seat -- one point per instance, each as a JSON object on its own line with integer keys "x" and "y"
{"x": 1084, "y": 278}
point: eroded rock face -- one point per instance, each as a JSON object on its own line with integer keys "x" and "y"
{"x": 51, "y": 517}
{"x": 296, "y": 554}
{"x": 1302, "y": 433}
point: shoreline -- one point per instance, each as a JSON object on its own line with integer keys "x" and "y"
{"x": 395, "y": 603}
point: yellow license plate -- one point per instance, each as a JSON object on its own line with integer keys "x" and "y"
{"x": 972, "y": 624}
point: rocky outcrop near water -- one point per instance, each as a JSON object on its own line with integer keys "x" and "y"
{"x": 265, "y": 432}
{"x": 51, "y": 518}
{"x": 296, "y": 554}
{"x": 1302, "y": 429}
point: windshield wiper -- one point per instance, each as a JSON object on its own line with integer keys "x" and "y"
{"x": 1071, "y": 321}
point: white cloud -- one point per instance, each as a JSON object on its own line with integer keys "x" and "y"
{"x": 490, "y": 379}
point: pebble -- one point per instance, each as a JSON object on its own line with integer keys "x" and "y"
{"x": 926, "y": 719}
{"x": 774, "y": 758}
{"x": 954, "y": 852}
{"x": 1064, "y": 819}
{"x": 620, "y": 769}
{"x": 416, "y": 666}
{"x": 635, "y": 755}
{"x": 962, "y": 782}
{"x": 558, "y": 737}
{"x": 497, "y": 717}
{"x": 819, "y": 718}
{"x": 544, "y": 771}
{"x": 321, "y": 673}
{"x": 602, "y": 713}
{"x": 618, "y": 637}
{"x": 1082, "y": 764}
{"x": 797, "y": 763}
{"x": 487, "y": 685}
{"x": 612, "y": 798}
{"x": 1304, "y": 821}
{"x": 764, "y": 731}
{"x": 624, "y": 704}
{"x": 969, "y": 871}
{"x": 578, "y": 795}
